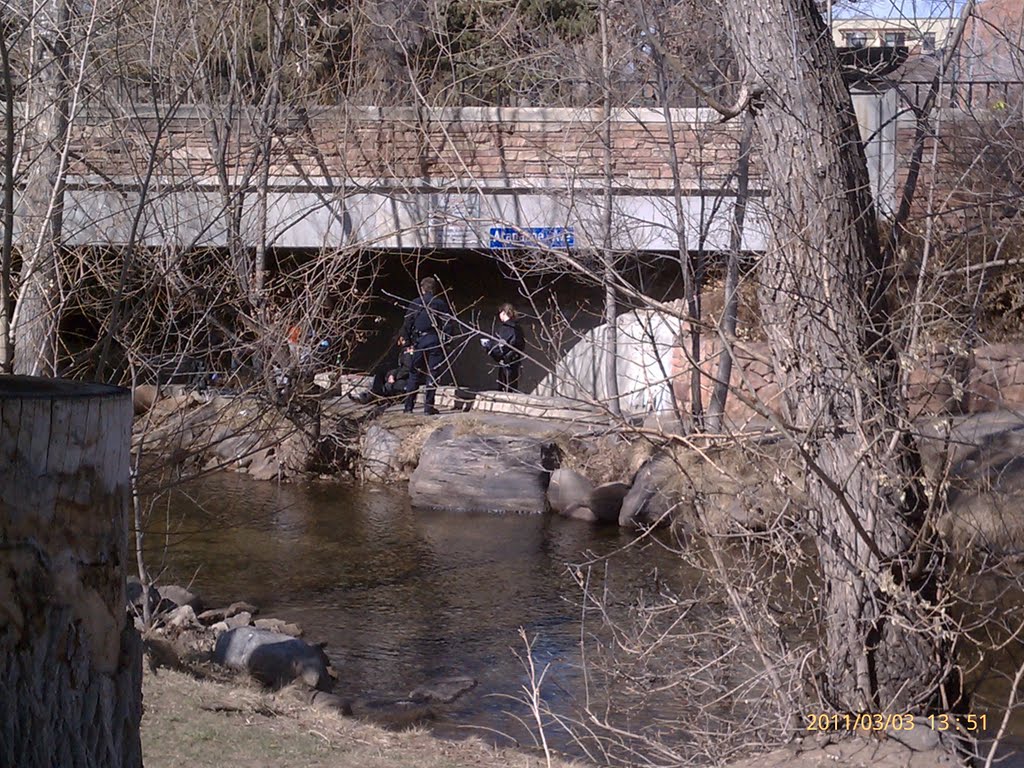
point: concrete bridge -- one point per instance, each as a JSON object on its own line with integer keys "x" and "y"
{"x": 411, "y": 179}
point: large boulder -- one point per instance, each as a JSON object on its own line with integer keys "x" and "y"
{"x": 144, "y": 397}
{"x": 277, "y": 625}
{"x": 570, "y": 494}
{"x": 213, "y": 615}
{"x": 937, "y": 383}
{"x": 741, "y": 486}
{"x": 273, "y": 658}
{"x": 474, "y": 472}
{"x": 133, "y": 595}
{"x": 380, "y": 453}
{"x": 653, "y": 495}
{"x": 996, "y": 378}
{"x": 173, "y": 596}
{"x": 183, "y": 617}
{"x": 568, "y": 491}
{"x": 606, "y": 501}
{"x": 986, "y": 492}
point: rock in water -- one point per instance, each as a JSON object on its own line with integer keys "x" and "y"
{"x": 443, "y": 691}
{"x": 606, "y": 501}
{"x": 273, "y": 658}
{"x": 495, "y": 473}
{"x": 568, "y": 491}
{"x": 651, "y": 496}
{"x": 380, "y": 453}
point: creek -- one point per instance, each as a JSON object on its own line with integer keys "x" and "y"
{"x": 405, "y": 596}
{"x": 402, "y": 596}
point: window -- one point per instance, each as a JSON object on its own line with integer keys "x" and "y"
{"x": 856, "y": 39}
{"x": 893, "y": 39}
{"x": 928, "y": 42}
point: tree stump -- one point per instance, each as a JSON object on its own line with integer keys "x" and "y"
{"x": 70, "y": 662}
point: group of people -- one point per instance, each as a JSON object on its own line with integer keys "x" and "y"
{"x": 428, "y": 322}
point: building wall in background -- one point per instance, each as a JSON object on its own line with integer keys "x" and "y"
{"x": 924, "y": 36}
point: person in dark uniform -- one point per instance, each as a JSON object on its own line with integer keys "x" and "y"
{"x": 425, "y": 325}
{"x": 506, "y": 350}
{"x": 397, "y": 378}
{"x": 388, "y": 383}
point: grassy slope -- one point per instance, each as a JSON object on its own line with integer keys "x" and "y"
{"x": 188, "y": 723}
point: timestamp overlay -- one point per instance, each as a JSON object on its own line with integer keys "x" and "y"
{"x": 893, "y": 721}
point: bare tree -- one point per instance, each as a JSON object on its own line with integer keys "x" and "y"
{"x": 34, "y": 321}
{"x": 7, "y": 247}
{"x": 828, "y": 320}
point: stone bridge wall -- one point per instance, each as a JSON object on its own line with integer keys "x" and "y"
{"x": 401, "y": 178}
{"x": 978, "y": 165}
{"x": 654, "y": 373}
{"x": 985, "y": 379}
{"x": 409, "y": 147}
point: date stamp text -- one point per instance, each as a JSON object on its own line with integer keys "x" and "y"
{"x": 888, "y": 721}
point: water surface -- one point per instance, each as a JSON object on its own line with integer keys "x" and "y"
{"x": 401, "y": 596}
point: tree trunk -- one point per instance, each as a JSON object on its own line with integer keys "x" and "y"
{"x": 691, "y": 291}
{"x": 70, "y": 662}
{"x": 268, "y": 127}
{"x": 35, "y": 323}
{"x": 7, "y": 246}
{"x": 824, "y": 310}
{"x": 730, "y": 312}
{"x": 611, "y": 329}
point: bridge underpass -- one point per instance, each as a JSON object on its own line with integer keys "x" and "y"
{"x": 464, "y": 187}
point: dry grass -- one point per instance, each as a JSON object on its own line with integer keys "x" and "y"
{"x": 203, "y": 724}
{"x": 409, "y": 451}
{"x": 612, "y": 458}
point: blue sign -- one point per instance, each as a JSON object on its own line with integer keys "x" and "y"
{"x": 532, "y": 237}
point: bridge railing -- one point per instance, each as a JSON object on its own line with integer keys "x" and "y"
{"x": 566, "y": 93}
{"x": 988, "y": 95}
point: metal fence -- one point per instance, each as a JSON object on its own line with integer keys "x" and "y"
{"x": 988, "y": 94}
{"x": 968, "y": 95}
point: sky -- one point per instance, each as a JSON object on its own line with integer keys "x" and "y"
{"x": 896, "y": 8}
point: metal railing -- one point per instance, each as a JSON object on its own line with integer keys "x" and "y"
{"x": 987, "y": 94}
{"x": 974, "y": 95}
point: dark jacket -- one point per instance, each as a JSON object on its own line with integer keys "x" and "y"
{"x": 427, "y": 320}
{"x": 401, "y": 374}
{"x": 508, "y": 349}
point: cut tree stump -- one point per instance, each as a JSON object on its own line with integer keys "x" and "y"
{"x": 70, "y": 662}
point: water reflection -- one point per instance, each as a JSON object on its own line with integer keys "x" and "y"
{"x": 405, "y": 596}
{"x": 400, "y": 596}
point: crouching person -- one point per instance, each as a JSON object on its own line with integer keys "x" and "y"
{"x": 389, "y": 384}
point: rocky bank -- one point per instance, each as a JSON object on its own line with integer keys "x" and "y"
{"x": 522, "y": 453}
{"x": 227, "y": 641}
